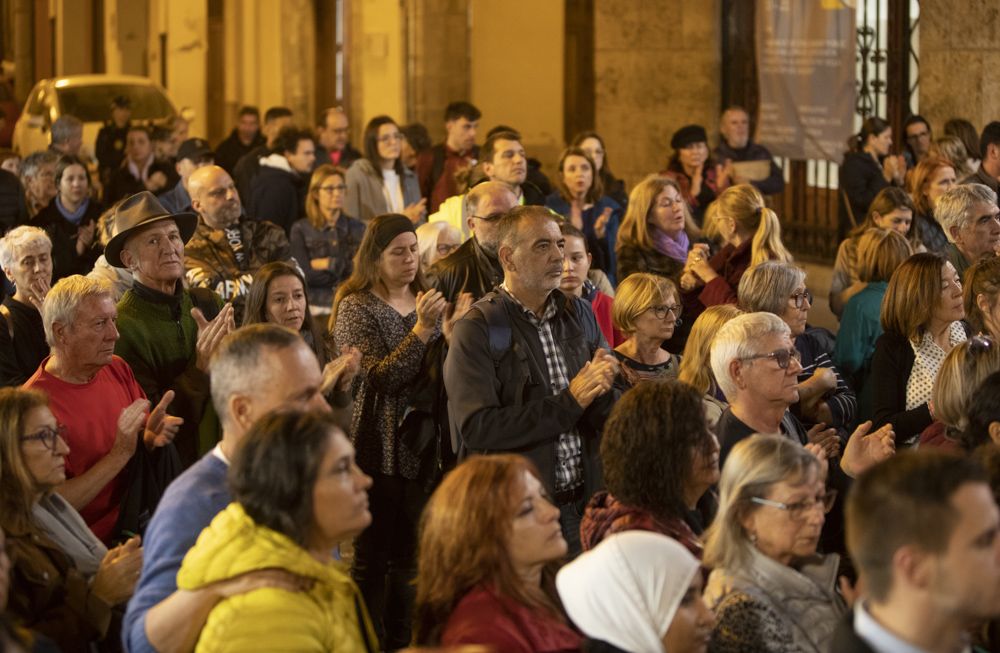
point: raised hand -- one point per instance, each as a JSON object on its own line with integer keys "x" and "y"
{"x": 601, "y": 224}
{"x": 210, "y": 334}
{"x": 37, "y": 291}
{"x": 430, "y": 306}
{"x": 416, "y": 211}
{"x": 865, "y": 449}
{"x": 462, "y": 305}
{"x": 118, "y": 572}
{"x": 161, "y": 429}
{"x": 130, "y": 421}
{"x": 826, "y": 438}
{"x": 339, "y": 373}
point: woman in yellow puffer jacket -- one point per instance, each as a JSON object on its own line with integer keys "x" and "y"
{"x": 297, "y": 493}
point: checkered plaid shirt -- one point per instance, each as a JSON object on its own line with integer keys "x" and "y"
{"x": 569, "y": 448}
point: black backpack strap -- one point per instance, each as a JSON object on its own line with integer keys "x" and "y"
{"x": 590, "y": 329}
{"x": 498, "y": 324}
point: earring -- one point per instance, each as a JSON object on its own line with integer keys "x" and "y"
{"x": 753, "y": 538}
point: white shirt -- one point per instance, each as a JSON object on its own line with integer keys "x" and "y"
{"x": 927, "y": 360}
{"x": 876, "y": 636}
{"x": 392, "y": 188}
{"x": 217, "y": 452}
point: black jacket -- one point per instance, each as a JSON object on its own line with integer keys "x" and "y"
{"x": 468, "y": 269}
{"x": 21, "y": 353}
{"x": 122, "y": 184}
{"x": 507, "y": 406}
{"x": 245, "y": 172}
{"x": 845, "y": 640}
{"x": 62, "y": 233}
{"x": 231, "y": 150}
{"x": 278, "y": 197}
{"x": 13, "y": 209}
{"x": 892, "y": 364}
{"x": 861, "y": 180}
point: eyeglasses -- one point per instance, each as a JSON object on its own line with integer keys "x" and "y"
{"x": 444, "y": 249}
{"x": 390, "y": 138}
{"x": 492, "y": 217}
{"x": 800, "y": 298}
{"x": 661, "y": 311}
{"x": 47, "y": 436}
{"x": 800, "y": 509}
{"x": 330, "y": 190}
{"x": 783, "y": 357}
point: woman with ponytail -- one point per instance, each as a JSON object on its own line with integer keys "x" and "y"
{"x": 867, "y": 169}
{"x": 751, "y": 234}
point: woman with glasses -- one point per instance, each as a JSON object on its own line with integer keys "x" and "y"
{"x": 579, "y": 197}
{"x": 770, "y": 589}
{"x": 64, "y": 582}
{"x": 436, "y": 240}
{"x": 780, "y": 288}
{"x": 325, "y": 241}
{"x": 657, "y": 231}
{"x": 922, "y": 321}
{"x": 646, "y": 310}
{"x": 964, "y": 369}
{"x": 378, "y": 182}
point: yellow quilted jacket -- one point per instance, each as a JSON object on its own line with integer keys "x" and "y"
{"x": 324, "y": 618}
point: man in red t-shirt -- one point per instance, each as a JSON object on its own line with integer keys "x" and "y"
{"x": 437, "y": 167}
{"x": 94, "y": 395}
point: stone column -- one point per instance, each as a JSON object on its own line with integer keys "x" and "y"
{"x": 959, "y": 61}
{"x": 657, "y": 68}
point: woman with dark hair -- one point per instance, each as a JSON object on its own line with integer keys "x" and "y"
{"x": 657, "y": 231}
{"x": 592, "y": 143}
{"x": 921, "y": 321}
{"x": 868, "y": 167}
{"x": 660, "y": 462}
{"x": 695, "y": 171}
{"x": 932, "y": 178}
{"x": 297, "y": 493}
{"x": 580, "y": 198}
{"x": 385, "y": 310}
{"x": 278, "y": 295}
{"x": 891, "y": 209}
{"x": 983, "y": 416}
{"x": 325, "y": 241}
{"x": 490, "y": 545}
{"x": 64, "y": 582}
{"x": 70, "y": 219}
{"x": 378, "y": 182}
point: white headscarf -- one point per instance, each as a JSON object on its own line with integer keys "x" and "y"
{"x": 626, "y": 590}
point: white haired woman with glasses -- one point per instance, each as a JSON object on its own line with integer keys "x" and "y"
{"x": 780, "y": 288}
{"x": 64, "y": 582}
{"x": 771, "y": 591}
{"x": 646, "y": 309}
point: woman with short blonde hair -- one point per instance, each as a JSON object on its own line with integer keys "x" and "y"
{"x": 646, "y": 309}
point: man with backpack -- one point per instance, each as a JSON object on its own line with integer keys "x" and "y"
{"x": 437, "y": 167}
{"x": 528, "y": 370}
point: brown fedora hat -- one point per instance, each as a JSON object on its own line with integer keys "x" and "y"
{"x": 138, "y": 211}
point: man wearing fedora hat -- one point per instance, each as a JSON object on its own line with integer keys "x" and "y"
{"x": 165, "y": 334}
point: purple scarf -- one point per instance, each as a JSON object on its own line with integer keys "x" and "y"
{"x": 676, "y": 249}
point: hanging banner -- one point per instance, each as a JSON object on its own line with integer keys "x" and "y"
{"x": 806, "y": 72}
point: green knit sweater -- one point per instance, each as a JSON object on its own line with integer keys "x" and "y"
{"x": 158, "y": 338}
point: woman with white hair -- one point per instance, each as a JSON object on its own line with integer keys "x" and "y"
{"x": 435, "y": 240}
{"x": 26, "y": 259}
{"x": 771, "y": 590}
{"x": 780, "y": 288}
{"x": 637, "y": 592}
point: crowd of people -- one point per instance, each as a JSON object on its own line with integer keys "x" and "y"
{"x": 285, "y": 394}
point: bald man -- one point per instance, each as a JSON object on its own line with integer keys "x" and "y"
{"x": 474, "y": 267}
{"x": 227, "y": 249}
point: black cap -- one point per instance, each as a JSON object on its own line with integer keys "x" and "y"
{"x": 122, "y": 102}
{"x": 688, "y": 135}
{"x": 194, "y": 149}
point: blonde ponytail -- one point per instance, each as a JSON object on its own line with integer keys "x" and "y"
{"x": 745, "y": 205}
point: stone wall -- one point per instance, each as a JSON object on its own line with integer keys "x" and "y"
{"x": 657, "y": 68}
{"x": 959, "y": 61}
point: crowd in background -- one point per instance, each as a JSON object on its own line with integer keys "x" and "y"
{"x": 288, "y": 394}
